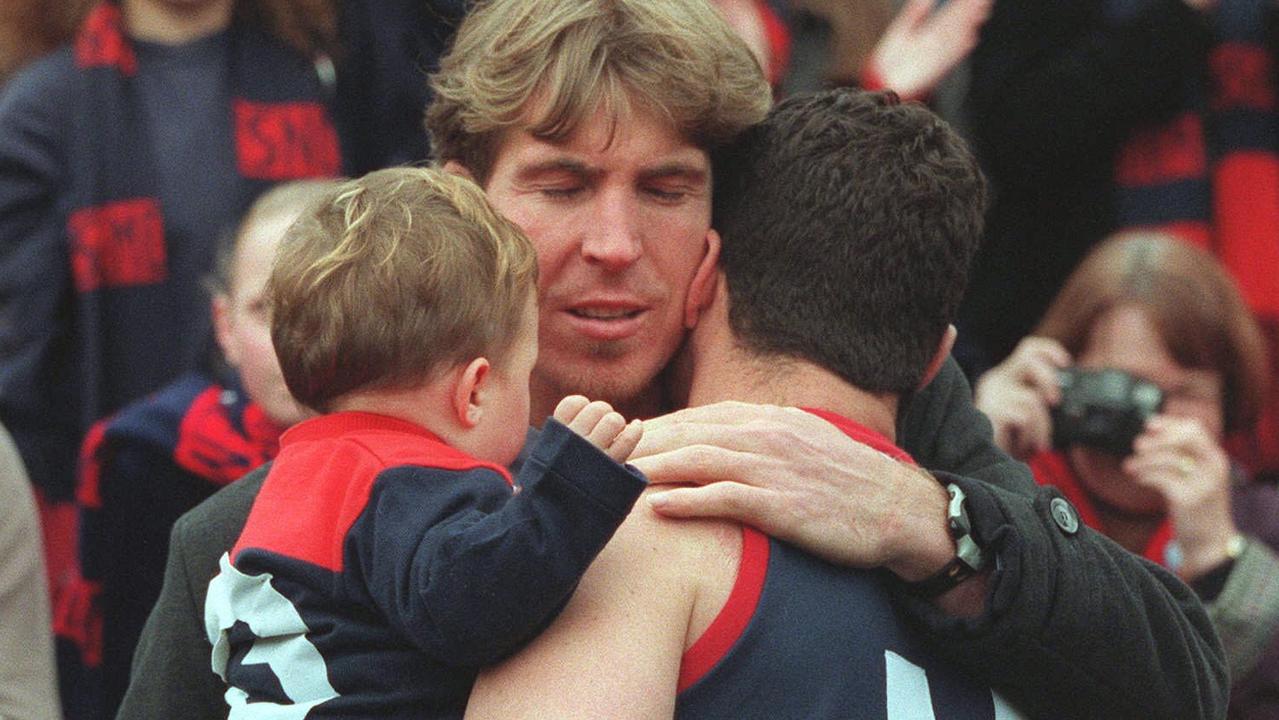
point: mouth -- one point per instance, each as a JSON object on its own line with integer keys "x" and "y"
{"x": 606, "y": 322}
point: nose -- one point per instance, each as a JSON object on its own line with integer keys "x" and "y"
{"x": 615, "y": 241}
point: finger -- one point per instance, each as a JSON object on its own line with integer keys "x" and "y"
{"x": 588, "y": 417}
{"x": 731, "y": 501}
{"x": 696, "y": 464}
{"x": 736, "y": 426}
{"x": 1184, "y": 435}
{"x": 607, "y": 429}
{"x": 912, "y": 14}
{"x": 626, "y": 441}
{"x": 569, "y": 407}
{"x": 1048, "y": 350}
{"x": 1034, "y": 427}
{"x": 962, "y": 18}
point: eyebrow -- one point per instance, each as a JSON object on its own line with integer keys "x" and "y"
{"x": 556, "y": 165}
{"x": 676, "y": 168}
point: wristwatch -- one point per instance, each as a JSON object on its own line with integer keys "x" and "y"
{"x": 969, "y": 557}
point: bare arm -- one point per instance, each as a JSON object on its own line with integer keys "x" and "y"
{"x": 615, "y": 650}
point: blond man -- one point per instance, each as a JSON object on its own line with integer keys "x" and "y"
{"x": 386, "y": 555}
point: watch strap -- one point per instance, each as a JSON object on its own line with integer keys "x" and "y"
{"x": 969, "y": 557}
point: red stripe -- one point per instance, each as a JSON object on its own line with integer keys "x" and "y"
{"x": 101, "y": 43}
{"x": 732, "y": 620}
{"x": 88, "y": 489}
{"x": 1246, "y": 195}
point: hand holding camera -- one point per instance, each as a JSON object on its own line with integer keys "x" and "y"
{"x": 1037, "y": 400}
{"x": 1019, "y": 393}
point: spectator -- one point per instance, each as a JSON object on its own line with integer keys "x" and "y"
{"x": 1099, "y": 116}
{"x": 404, "y": 309}
{"x": 1166, "y": 312}
{"x": 160, "y": 456}
{"x": 28, "y": 687}
{"x": 122, "y": 155}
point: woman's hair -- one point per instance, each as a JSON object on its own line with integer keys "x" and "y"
{"x": 1191, "y": 301}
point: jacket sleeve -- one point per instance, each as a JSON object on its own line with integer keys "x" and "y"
{"x": 471, "y": 572}
{"x": 172, "y": 665}
{"x": 35, "y": 322}
{"x": 1074, "y": 626}
{"x": 1055, "y": 81}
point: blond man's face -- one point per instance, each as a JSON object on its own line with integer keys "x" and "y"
{"x": 620, "y": 221}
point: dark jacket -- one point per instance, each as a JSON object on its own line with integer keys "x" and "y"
{"x": 1076, "y": 627}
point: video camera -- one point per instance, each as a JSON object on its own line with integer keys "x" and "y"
{"x": 1103, "y": 409}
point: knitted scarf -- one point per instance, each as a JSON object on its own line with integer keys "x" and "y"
{"x": 117, "y": 238}
{"x": 211, "y": 432}
{"x": 1211, "y": 176}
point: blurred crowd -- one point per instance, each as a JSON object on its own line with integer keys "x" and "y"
{"x": 1121, "y": 330}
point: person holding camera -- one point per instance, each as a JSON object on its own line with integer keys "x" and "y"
{"x": 1143, "y": 365}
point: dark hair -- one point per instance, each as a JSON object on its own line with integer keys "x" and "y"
{"x": 849, "y": 222}
{"x": 1188, "y": 296}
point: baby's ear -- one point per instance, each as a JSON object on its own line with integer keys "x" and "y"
{"x": 468, "y": 390}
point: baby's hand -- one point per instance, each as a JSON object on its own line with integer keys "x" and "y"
{"x": 598, "y": 422}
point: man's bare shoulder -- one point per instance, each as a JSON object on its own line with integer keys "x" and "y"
{"x": 691, "y": 563}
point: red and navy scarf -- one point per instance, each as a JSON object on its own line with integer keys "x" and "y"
{"x": 1210, "y": 175}
{"x": 117, "y": 238}
{"x": 210, "y": 432}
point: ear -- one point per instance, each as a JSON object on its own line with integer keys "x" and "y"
{"x": 457, "y": 168}
{"x": 944, "y": 346}
{"x": 467, "y": 391}
{"x": 221, "y": 307}
{"x": 702, "y": 288}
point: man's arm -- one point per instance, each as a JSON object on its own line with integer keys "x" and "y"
{"x": 172, "y": 665}
{"x": 615, "y": 650}
{"x": 1069, "y": 625}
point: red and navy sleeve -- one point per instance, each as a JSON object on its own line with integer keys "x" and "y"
{"x": 470, "y": 572}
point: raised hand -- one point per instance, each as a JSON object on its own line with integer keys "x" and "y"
{"x": 922, "y": 44}
{"x": 1183, "y": 462}
{"x": 1018, "y": 394}
{"x": 599, "y": 423}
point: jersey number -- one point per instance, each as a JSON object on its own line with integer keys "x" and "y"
{"x": 281, "y": 644}
{"x": 909, "y": 698}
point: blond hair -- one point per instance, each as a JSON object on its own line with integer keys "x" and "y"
{"x": 548, "y": 65}
{"x": 392, "y": 277}
{"x": 1190, "y": 299}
